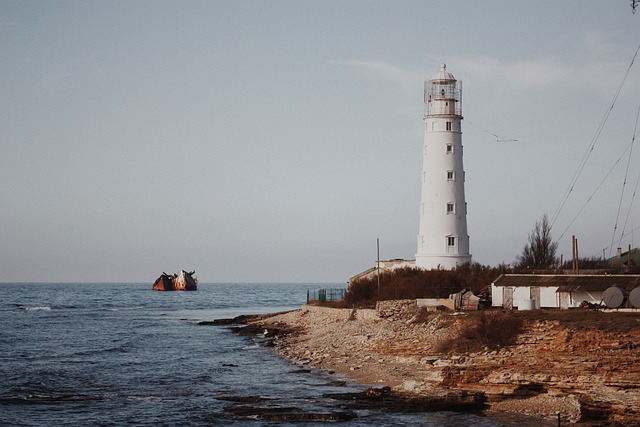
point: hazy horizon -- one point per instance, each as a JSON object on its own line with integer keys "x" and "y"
{"x": 275, "y": 141}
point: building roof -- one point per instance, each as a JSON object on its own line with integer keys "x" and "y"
{"x": 569, "y": 282}
{"x": 623, "y": 258}
{"x": 443, "y": 74}
{"x": 385, "y": 266}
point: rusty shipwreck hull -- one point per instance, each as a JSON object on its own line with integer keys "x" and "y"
{"x": 184, "y": 281}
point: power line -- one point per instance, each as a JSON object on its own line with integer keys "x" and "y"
{"x": 594, "y": 192}
{"x": 592, "y": 145}
{"x": 633, "y": 196}
{"x": 610, "y": 247}
{"x": 498, "y": 138}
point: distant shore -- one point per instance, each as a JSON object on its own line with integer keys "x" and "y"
{"x": 578, "y": 366}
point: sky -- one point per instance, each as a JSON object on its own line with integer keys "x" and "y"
{"x": 276, "y": 141}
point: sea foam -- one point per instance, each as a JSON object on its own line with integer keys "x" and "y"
{"x": 37, "y": 308}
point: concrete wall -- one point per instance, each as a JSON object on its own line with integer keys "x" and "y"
{"x": 342, "y": 314}
{"x": 523, "y": 294}
{"x": 395, "y": 307}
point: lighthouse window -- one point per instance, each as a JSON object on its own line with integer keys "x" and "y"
{"x": 450, "y": 176}
{"x": 451, "y": 241}
{"x": 448, "y": 125}
{"x": 449, "y": 149}
{"x": 451, "y": 208}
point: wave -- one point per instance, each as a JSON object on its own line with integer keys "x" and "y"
{"x": 34, "y": 308}
{"x": 73, "y": 307}
{"x": 47, "y": 399}
{"x": 97, "y": 351}
{"x": 123, "y": 308}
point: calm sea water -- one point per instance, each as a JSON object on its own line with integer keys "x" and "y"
{"x": 122, "y": 354}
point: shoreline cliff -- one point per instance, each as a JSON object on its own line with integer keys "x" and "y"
{"x": 576, "y": 366}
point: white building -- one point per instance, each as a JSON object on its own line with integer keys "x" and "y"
{"x": 381, "y": 267}
{"x": 529, "y": 291}
{"x": 442, "y": 238}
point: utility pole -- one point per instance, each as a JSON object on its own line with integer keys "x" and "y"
{"x": 378, "y": 263}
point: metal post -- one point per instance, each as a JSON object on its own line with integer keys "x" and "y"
{"x": 577, "y": 259}
{"x": 573, "y": 254}
{"x": 378, "y": 264}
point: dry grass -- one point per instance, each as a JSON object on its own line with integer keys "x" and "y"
{"x": 484, "y": 331}
{"x": 411, "y": 283}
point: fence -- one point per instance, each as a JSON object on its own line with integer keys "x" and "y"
{"x": 324, "y": 295}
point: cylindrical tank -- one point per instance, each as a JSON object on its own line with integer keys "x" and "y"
{"x": 613, "y": 297}
{"x": 634, "y": 297}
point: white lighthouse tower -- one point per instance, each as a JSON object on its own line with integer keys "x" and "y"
{"x": 443, "y": 241}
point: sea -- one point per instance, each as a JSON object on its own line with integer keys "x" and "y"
{"x": 120, "y": 354}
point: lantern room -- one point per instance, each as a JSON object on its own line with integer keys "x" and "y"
{"x": 443, "y": 95}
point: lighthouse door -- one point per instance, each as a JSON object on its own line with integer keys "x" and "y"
{"x": 452, "y": 245}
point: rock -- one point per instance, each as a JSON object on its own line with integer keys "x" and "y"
{"x": 535, "y": 375}
{"x": 238, "y": 320}
{"x": 591, "y": 410}
{"x": 253, "y": 330}
{"x": 409, "y": 385}
{"x": 441, "y": 400}
{"x": 433, "y": 376}
{"x": 300, "y": 371}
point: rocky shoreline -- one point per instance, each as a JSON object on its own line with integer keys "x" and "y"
{"x": 574, "y": 367}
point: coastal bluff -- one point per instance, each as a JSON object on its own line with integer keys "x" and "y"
{"x": 577, "y": 366}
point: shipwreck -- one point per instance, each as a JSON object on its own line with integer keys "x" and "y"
{"x": 185, "y": 281}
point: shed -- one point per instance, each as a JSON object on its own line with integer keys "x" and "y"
{"x": 555, "y": 290}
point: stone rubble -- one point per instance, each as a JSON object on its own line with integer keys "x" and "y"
{"x": 585, "y": 375}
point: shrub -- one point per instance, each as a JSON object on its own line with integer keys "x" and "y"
{"x": 411, "y": 283}
{"x": 495, "y": 329}
{"x": 361, "y": 294}
{"x": 484, "y": 331}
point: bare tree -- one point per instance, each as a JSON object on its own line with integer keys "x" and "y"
{"x": 540, "y": 251}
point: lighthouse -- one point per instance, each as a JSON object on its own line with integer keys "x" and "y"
{"x": 443, "y": 241}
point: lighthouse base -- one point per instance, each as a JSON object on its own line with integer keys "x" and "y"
{"x": 445, "y": 262}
